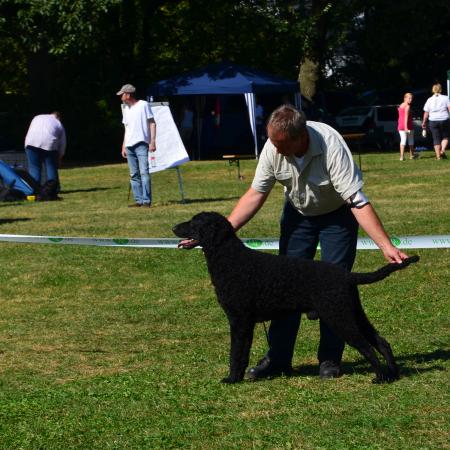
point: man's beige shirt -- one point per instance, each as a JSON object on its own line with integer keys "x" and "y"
{"x": 324, "y": 180}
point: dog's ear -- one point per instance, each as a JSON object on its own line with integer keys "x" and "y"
{"x": 222, "y": 229}
{"x": 211, "y": 228}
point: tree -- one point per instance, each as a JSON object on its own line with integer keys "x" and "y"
{"x": 76, "y": 53}
{"x": 401, "y": 44}
{"x": 46, "y": 31}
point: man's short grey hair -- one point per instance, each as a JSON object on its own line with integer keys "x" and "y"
{"x": 289, "y": 120}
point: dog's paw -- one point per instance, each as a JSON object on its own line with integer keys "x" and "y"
{"x": 231, "y": 380}
{"x": 385, "y": 379}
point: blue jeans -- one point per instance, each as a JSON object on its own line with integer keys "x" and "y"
{"x": 36, "y": 157}
{"x": 337, "y": 233}
{"x": 137, "y": 156}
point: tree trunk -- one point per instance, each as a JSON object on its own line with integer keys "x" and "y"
{"x": 308, "y": 76}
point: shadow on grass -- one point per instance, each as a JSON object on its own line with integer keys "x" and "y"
{"x": 361, "y": 366}
{"x": 5, "y": 204}
{"x": 198, "y": 200}
{"x": 18, "y": 219}
{"x": 422, "y": 358}
{"x": 74, "y": 191}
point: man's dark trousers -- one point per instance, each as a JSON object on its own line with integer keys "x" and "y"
{"x": 337, "y": 233}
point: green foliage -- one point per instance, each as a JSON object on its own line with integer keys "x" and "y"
{"x": 398, "y": 44}
{"x": 200, "y": 32}
{"x": 56, "y": 26}
{"x": 74, "y": 54}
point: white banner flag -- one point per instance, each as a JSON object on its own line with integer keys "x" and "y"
{"x": 170, "y": 151}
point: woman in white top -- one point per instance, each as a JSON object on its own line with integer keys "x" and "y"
{"x": 436, "y": 111}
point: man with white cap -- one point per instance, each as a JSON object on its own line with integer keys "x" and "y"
{"x": 139, "y": 139}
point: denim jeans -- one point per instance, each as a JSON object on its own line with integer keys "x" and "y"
{"x": 337, "y": 233}
{"x": 137, "y": 156}
{"x": 36, "y": 157}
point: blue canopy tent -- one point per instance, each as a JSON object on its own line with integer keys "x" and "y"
{"x": 227, "y": 78}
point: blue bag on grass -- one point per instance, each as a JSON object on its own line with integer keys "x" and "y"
{"x": 13, "y": 181}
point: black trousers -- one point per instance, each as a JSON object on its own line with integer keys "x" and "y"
{"x": 337, "y": 233}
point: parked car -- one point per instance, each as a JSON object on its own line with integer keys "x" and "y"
{"x": 378, "y": 122}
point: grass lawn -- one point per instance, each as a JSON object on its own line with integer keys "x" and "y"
{"x": 115, "y": 348}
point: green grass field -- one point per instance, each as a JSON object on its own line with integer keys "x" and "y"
{"x": 115, "y": 348}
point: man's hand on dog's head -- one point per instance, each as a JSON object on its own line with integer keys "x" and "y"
{"x": 188, "y": 244}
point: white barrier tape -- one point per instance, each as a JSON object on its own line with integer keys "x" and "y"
{"x": 404, "y": 242}
{"x": 98, "y": 242}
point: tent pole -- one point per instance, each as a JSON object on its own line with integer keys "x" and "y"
{"x": 448, "y": 82}
{"x": 250, "y": 100}
{"x": 199, "y": 127}
{"x": 298, "y": 101}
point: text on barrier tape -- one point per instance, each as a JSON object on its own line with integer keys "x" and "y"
{"x": 404, "y": 242}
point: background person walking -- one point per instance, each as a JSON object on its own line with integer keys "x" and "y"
{"x": 405, "y": 126}
{"x": 139, "y": 139}
{"x": 436, "y": 111}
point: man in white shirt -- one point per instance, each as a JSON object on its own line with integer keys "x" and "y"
{"x": 324, "y": 203}
{"x": 45, "y": 143}
{"x": 139, "y": 139}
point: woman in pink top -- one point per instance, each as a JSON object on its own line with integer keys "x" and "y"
{"x": 405, "y": 126}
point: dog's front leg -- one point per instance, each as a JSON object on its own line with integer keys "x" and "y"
{"x": 241, "y": 331}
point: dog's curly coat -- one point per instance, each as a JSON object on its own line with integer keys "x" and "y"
{"x": 253, "y": 286}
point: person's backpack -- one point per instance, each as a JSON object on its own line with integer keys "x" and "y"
{"x": 13, "y": 186}
{"x": 25, "y": 176}
{"x": 17, "y": 184}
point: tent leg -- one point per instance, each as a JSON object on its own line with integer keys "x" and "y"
{"x": 250, "y": 101}
{"x": 198, "y": 106}
{"x": 180, "y": 184}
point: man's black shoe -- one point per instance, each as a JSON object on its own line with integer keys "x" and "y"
{"x": 266, "y": 369}
{"x": 329, "y": 369}
{"x": 135, "y": 205}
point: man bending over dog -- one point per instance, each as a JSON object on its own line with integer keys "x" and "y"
{"x": 324, "y": 204}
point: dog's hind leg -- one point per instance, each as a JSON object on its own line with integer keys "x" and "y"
{"x": 241, "y": 340}
{"x": 382, "y": 345}
{"x": 364, "y": 347}
{"x": 377, "y": 341}
{"x": 350, "y": 331}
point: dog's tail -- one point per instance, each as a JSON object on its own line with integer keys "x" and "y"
{"x": 380, "y": 274}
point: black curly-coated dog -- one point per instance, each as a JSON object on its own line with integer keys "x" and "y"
{"x": 253, "y": 286}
